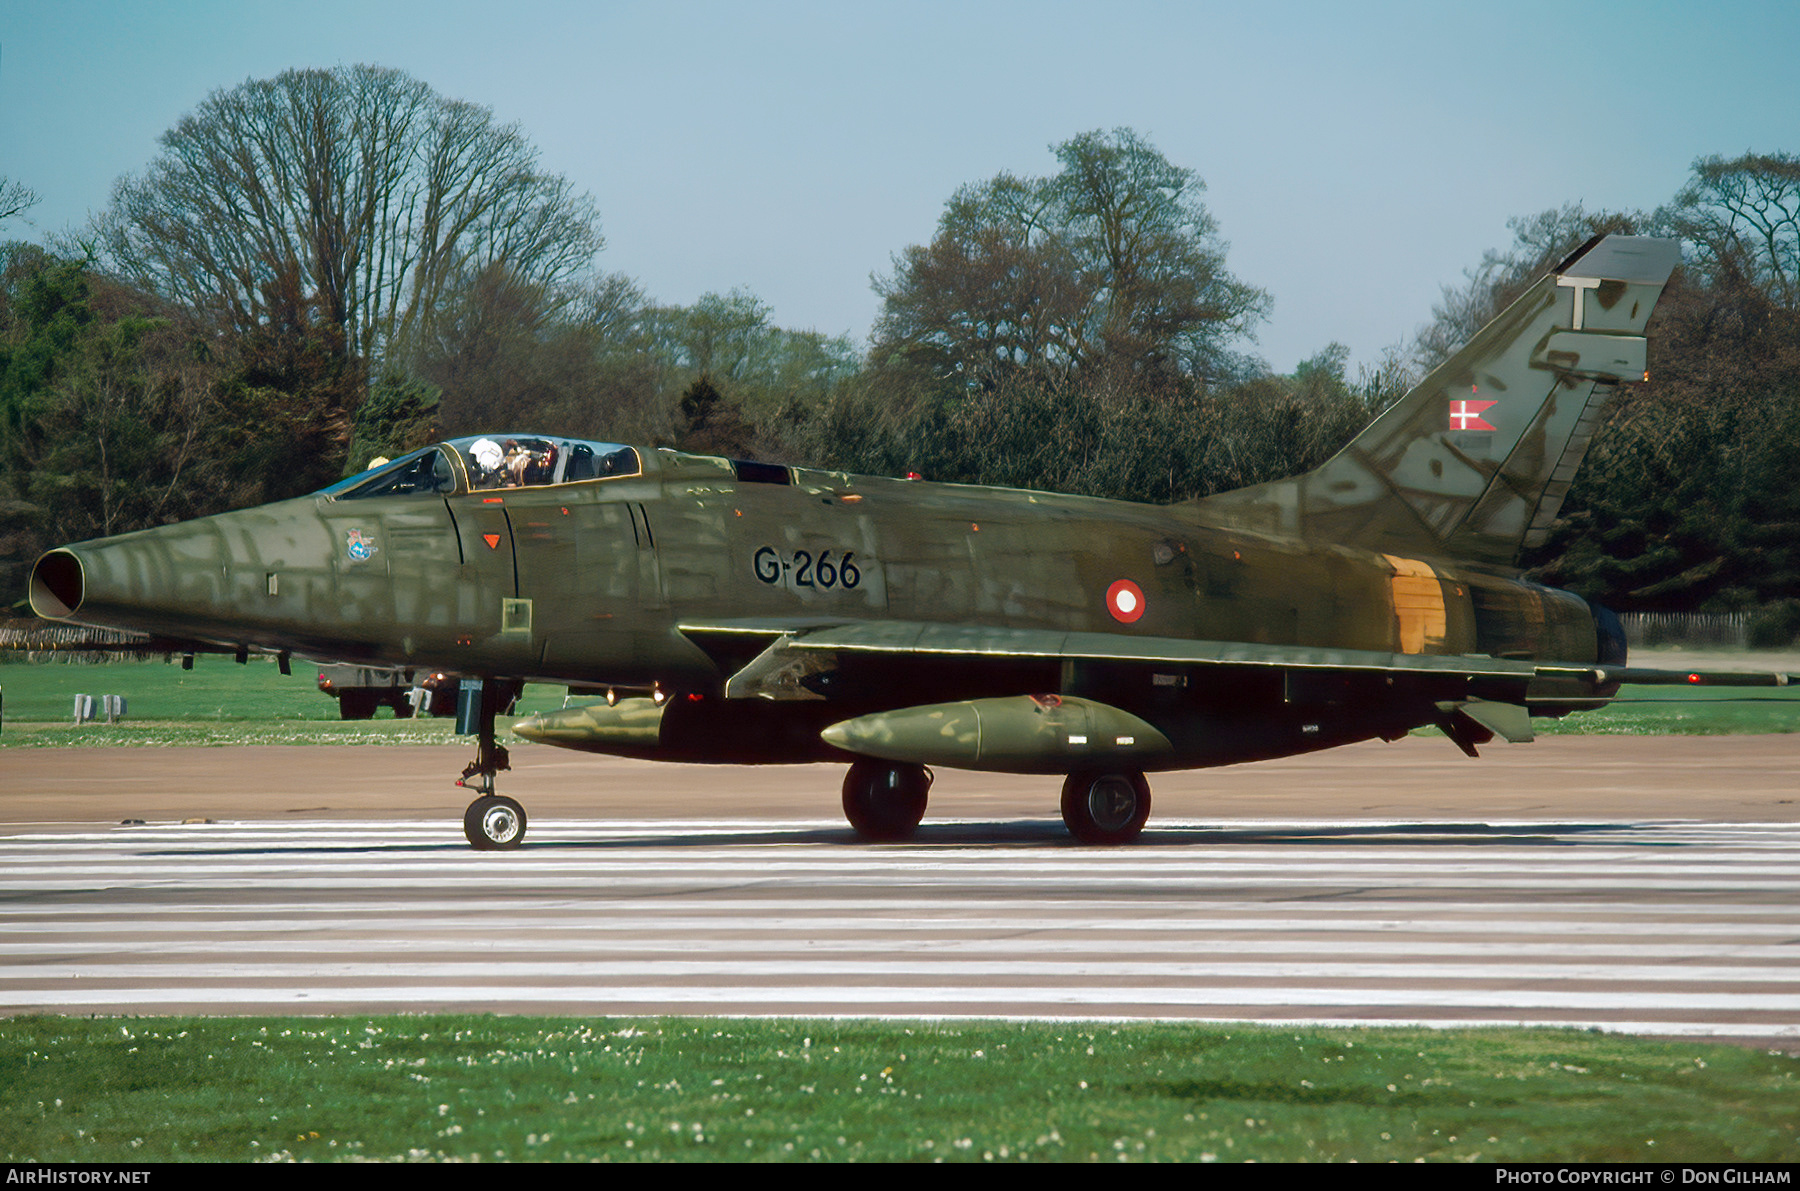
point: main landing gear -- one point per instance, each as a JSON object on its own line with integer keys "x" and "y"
{"x": 493, "y": 821}
{"x": 884, "y": 800}
{"x": 1105, "y": 808}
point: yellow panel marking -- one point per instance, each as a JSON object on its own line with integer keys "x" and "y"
{"x": 1418, "y": 604}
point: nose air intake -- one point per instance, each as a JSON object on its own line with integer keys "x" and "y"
{"x": 57, "y": 586}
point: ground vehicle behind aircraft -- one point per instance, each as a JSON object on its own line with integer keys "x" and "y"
{"x": 360, "y": 690}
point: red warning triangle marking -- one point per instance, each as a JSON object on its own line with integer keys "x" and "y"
{"x": 492, "y": 539}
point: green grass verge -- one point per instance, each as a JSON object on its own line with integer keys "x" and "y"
{"x": 1685, "y": 711}
{"x": 218, "y": 702}
{"x": 387, "y": 1088}
{"x": 221, "y": 703}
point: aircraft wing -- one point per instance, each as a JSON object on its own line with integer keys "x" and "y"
{"x": 799, "y": 637}
{"x": 978, "y": 641}
{"x": 1476, "y": 697}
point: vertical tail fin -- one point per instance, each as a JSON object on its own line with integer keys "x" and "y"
{"x": 1474, "y": 462}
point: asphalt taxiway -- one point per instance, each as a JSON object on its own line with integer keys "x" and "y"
{"x": 1581, "y": 778}
{"x": 1638, "y": 884}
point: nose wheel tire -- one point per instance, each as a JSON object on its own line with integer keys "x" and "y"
{"x": 884, "y": 800}
{"x": 494, "y": 822}
{"x": 1105, "y": 808}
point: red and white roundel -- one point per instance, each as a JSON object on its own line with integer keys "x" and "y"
{"x": 1125, "y": 600}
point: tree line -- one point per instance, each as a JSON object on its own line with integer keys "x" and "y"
{"x": 336, "y": 265}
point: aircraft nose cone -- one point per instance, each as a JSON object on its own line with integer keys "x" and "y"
{"x": 57, "y": 585}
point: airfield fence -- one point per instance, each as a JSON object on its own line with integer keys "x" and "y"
{"x": 42, "y": 641}
{"x": 1729, "y": 629}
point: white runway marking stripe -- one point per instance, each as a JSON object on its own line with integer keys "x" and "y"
{"x": 822, "y": 939}
{"x": 1689, "y": 927}
{"x": 1104, "y": 998}
{"x": 624, "y": 917}
{"x": 1448, "y": 864}
{"x": 620, "y": 971}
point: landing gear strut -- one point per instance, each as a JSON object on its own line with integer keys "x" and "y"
{"x": 884, "y": 800}
{"x": 1105, "y": 808}
{"x": 492, "y": 820}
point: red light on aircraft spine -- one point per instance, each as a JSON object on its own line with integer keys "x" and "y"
{"x": 1693, "y": 678}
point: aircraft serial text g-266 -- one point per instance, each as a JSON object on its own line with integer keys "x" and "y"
{"x": 745, "y": 612}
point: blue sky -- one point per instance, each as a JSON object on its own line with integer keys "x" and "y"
{"x": 1357, "y": 156}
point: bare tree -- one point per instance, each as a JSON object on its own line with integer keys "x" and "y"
{"x": 998, "y": 288}
{"x": 1743, "y": 214}
{"x": 359, "y": 191}
{"x": 1111, "y": 265}
{"x": 15, "y": 197}
{"x": 1539, "y": 242}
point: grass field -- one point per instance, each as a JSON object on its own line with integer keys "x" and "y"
{"x": 219, "y": 702}
{"x": 486, "y": 1088}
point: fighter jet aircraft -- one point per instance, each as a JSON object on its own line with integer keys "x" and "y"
{"x": 728, "y": 611}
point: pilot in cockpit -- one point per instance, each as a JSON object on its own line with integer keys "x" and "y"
{"x": 486, "y": 464}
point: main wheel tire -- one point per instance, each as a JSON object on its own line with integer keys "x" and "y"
{"x": 884, "y": 800}
{"x": 494, "y": 822}
{"x": 1105, "y": 808}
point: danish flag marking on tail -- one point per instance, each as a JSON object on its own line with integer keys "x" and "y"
{"x": 1466, "y": 415}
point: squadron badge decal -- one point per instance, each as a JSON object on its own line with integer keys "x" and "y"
{"x": 359, "y": 546}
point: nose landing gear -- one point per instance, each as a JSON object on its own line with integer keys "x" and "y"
{"x": 493, "y": 821}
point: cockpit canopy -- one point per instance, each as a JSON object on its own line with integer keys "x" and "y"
{"x": 489, "y": 461}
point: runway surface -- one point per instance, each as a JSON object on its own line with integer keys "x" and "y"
{"x": 1666, "y": 924}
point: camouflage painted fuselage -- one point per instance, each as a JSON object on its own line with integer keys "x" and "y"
{"x": 678, "y": 577}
